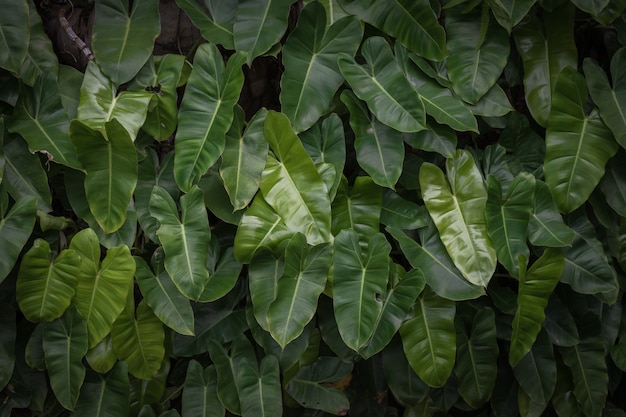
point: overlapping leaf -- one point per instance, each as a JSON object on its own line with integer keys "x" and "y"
{"x": 105, "y": 395}
{"x": 200, "y": 392}
{"x": 358, "y": 208}
{"x": 14, "y": 31}
{"x": 536, "y": 372}
{"x": 15, "y": 228}
{"x": 217, "y": 25}
{"x": 509, "y": 13}
{"x": 259, "y": 387}
{"x": 546, "y": 226}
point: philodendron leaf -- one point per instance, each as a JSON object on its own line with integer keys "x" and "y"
{"x": 45, "y": 288}
{"x": 311, "y": 49}
{"x": 14, "y": 36}
{"x": 110, "y": 161}
{"x": 429, "y": 338}
{"x": 413, "y": 22}
{"x": 15, "y": 229}
{"x": 535, "y": 287}
{"x": 291, "y": 184}
{"x": 259, "y": 387}
{"x": 546, "y": 226}
{"x": 105, "y": 395}
{"x": 404, "y": 383}
{"x": 457, "y": 206}
{"x": 610, "y": 98}
{"x": 509, "y": 13}
{"x": 359, "y": 285}
{"x": 185, "y": 238}
{"x": 401, "y": 213}
{"x": 383, "y": 86}
{"x": 536, "y": 372}
{"x": 123, "y": 37}
{"x": 206, "y": 113}
{"x": 101, "y": 358}
{"x": 264, "y": 271}
{"x": 64, "y": 344}
{"x": 102, "y": 288}
{"x": 358, "y": 208}
{"x": 217, "y": 25}
{"x": 200, "y": 392}
{"x": 578, "y": 145}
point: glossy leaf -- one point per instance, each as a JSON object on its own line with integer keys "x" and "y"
{"x": 15, "y": 229}
{"x": 14, "y": 29}
{"x": 217, "y": 25}
{"x": 536, "y": 372}
{"x": 206, "y": 112}
{"x": 123, "y": 36}
{"x": 383, "y": 86}
{"x": 264, "y": 271}
{"x": 593, "y": 7}
{"x": 358, "y": 209}
{"x": 185, "y": 238}
{"x": 200, "y": 392}
{"x": 45, "y": 288}
{"x": 437, "y": 138}
{"x": 429, "y": 338}
{"x": 101, "y": 358}
{"x": 259, "y": 387}
{"x": 359, "y": 285}
{"x": 312, "y": 75}
{"x": 8, "y": 334}
{"x": 546, "y": 226}
{"x": 509, "y": 13}
{"x": 494, "y": 103}
{"x": 457, "y": 206}
{"x": 65, "y": 344}
{"x": 535, "y": 287}
{"x": 104, "y": 395}
{"x": 223, "y": 276}
{"x": 612, "y": 184}
{"x": 401, "y": 213}
{"x": 578, "y": 146}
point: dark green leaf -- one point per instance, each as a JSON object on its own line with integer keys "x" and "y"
{"x": 259, "y": 387}
{"x": 8, "y": 333}
{"x": 105, "y": 395}
{"x": 15, "y": 229}
{"x": 14, "y": 31}
{"x": 358, "y": 209}
{"x": 401, "y": 213}
{"x": 200, "y": 392}
{"x": 217, "y": 25}
{"x": 536, "y": 371}
{"x": 559, "y": 323}
{"x": 509, "y": 13}
{"x": 546, "y": 226}
{"x": 405, "y": 385}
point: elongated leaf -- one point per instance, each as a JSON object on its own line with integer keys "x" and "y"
{"x": 535, "y": 287}
{"x": 429, "y": 338}
{"x": 291, "y": 185}
{"x": 382, "y": 84}
{"x": 612, "y": 184}
{"x": 401, "y": 213}
{"x": 477, "y": 353}
{"x": 139, "y": 341}
{"x": 413, "y": 22}
{"x": 259, "y": 387}
{"x": 223, "y": 276}
{"x": 536, "y": 371}
{"x": 312, "y": 387}
{"x": 45, "y": 288}
{"x": 609, "y": 98}
{"x": 102, "y": 288}
{"x": 312, "y": 75}
{"x": 379, "y": 148}
{"x": 244, "y": 158}
{"x": 105, "y": 395}
{"x": 437, "y": 138}
{"x": 200, "y": 392}
{"x": 123, "y": 37}
{"x": 8, "y": 335}
{"x": 264, "y": 271}
{"x": 217, "y": 26}
{"x": 65, "y": 344}
{"x": 110, "y": 161}
{"x": 458, "y": 211}
{"x": 546, "y": 226}
{"x": 405, "y": 385}
{"x": 14, "y": 36}
{"x": 494, "y": 103}
{"x": 259, "y": 25}
{"x": 359, "y": 285}
{"x": 206, "y": 113}
{"x": 507, "y": 219}
{"x": 578, "y": 146}
{"x": 545, "y": 50}
{"x": 358, "y": 209}
{"x": 101, "y": 358}
{"x": 15, "y": 229}
{"x": 475, "y": 62}
{"x": 167, "y": 303}
{"x": 509, "y": 13}
{"x": 559, "y": 324}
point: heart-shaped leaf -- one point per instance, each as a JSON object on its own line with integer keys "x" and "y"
{"x": 358, "y": 208}
{"x": 105, "y": 395}
{"x": 536, "y": 372}
{"x": 509, "y": 13}
{"x": 546, "y": 226}
{"x": 259, "y": 387}
{"x": 200, "y": 392}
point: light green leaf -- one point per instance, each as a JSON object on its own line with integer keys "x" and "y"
{"x": 458, "y": 210}
{"x": 546, "y": 226}
{"x": 123, "y": 37}
{"x": 535, "y": 287}
{"x": 45, "y": 288}
{"x": 185, "y": 238}
{"x": 110, "y": 161}
{"x": 15, "y": 229}
{"x": 217, "y": 25}
{"x": 200, "y": 392}
{"x": 64, "y": 345}
{"x": 536, "y": 372}
{"x": 429, "y": 338}
{"x": 358, "y": 208}
{"x": 509, "y": 13}
{"x": 101, "y": 358}
{"x": 259, "y": 387}
{"x": 14, "y": 35}
{"x": 206, "y": 113}
{"x": 312, "y": 75}
{"x": 382, "y": 84}
{"x": 105, "y": 395}
{"x": 578, "y": 145}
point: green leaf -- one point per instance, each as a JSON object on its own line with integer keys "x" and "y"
{"x": 217, "y": 25}
{"x": 495, "y": 103}
{"x": 546, "y": 49}
{"x": 477, "y": 354}
{"x": 357, "y": 209}
{"x": 259, "y": 387}
{"x": 259, "y": 25}
{"x": 401, "y": 213}
{"x": 105, "y": 395}
{"x": 139, "y": 341}
{"x": 200, "y": 392}
{"x": 14, "y": 36}
{"x": 458, "y": 210}
{"x": 414, "y": 23}
{"x": 546, "y": 226}
{"x": 185, "y": 238}
{"x": 264, "y": 271}
{"x": 436, "y": 138}
{"x": 535, "y": 287}
{"x": 8, "y": 334}
{"x": 612, "y": 184}
{"x": 560, "y": 324}
{"x": 592, "y": 7}
{"x": 312, "y": 387}
{"x": 359, "y": 285}
{"x": 123, "y": 37}
{"x": 405, "y": 385}
{"x": 15, "y": 229}
{"x": 609, "y": 98}
{"x": 475, "y": 62}
{"x": 382, "y": 84}
{"x": 379, "y": 148}
{"x": 167, "y": 303}
{"x": 65, "y": 344}
{"x": 102, "y": 288}
{"x": 536, "y": 371}
{"x": 206, "y": 113}
{"x": 509, "y": 13}
{"x": 244, "y": 158}
{"x": 429, "y": 338}
{"x": 312, "y": 75}
{"x": 223, "y": 277}
{"x": 508, "y": 217}
{"x": 110, "y": 160}
{"x": 291, "y": 185}
{"x": 69, "y": 81}
{"x": 101, "y": 358}
{"x": 525, "y": 146}
{"x": 216, "y": 198}
{"x": 45, "y": 288}
{"x": 578, "y": 146}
